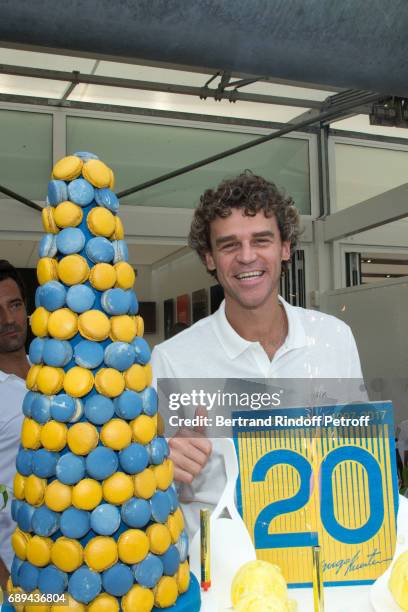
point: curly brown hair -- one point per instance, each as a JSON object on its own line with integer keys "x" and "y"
{"x": 253, "y": 194}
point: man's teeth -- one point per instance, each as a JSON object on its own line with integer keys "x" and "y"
{"x": 249, "y": 275}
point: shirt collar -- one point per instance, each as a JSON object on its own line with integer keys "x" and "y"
{"x": 235, "y": 345}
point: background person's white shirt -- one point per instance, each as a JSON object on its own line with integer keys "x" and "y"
{"x": 12, "y": 392}
{"x": 317, "y": 346}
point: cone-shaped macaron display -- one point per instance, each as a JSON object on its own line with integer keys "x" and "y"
{"x": 98, "y": 518}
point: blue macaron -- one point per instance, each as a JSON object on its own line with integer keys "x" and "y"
{"x": 25, "y": 517}
{"x": 52, "y": 580}
{"x": 101, "y": 463}
{"x": 24, "y": 461}
{"x": 158, "y": 450}
{"x": 99, "y": 250}
{"x": 45, "y": 463}
{"x": 98, "y": 409}
{"x": 173, "y": 497}
{"x": 117, "y": 580}
{"x": 45, "y": 522}
{"x": 15, "y": 566}
{"x": 28, "y": 402}
{"x": 52, "y": 295}
{"x": 35, "y": 352}
{"x": 75, "y": 523}
{"x": 81, "y": 192}
{"x": 84, "y": 585}
{"x": 57, "y": 192}
{"x": 88, "y": 354}
{"x": 62, "y": 408}
{"x": 149, "y": 571}
{"x": 14, "y": 508}
{"x": 134, "y": 458}
{"x": 48, "y": 246}
{"x": 170, "y": 560}
{"x": 161, "y": 506}
{"x": 182, "y": 546}
{"x": 41, "y": 409}
{"x": 80, "y": 298}
{"x": 142, "y": 350}
{"x": 134, "y": 304}
{"x": 105, "y": 519}
{"x": 107, "y": 198}
{"x": 115, "y": 301}
{"x": 121, "y": 250}
{"x": 149, "y": 401}
{"x": 119, "y": 355}
{"x": 28, "y": 575}
{"x": 70, "y": 240}
{"x": 85, "y": 155}
{"x": 128, "y": 405}
{"x": 70, "y": 469}
{"x": 136, "y": 512}
{"x": 57, "y": 353}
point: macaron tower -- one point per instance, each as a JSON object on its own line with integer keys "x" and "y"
{"x": 97, "y": 512}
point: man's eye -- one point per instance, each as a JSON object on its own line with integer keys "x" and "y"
{"x": 228, "y": 246}
{"x": 16, "y": 305}
{"x": 262, "y": 241}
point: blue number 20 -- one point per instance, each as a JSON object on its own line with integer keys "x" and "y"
{"x": 263, "y": 539}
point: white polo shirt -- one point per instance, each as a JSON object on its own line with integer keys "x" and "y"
{"x": 12, "y": 392}
{"x": 317, "y": 346}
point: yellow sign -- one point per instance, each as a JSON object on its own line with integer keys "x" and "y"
{"x": 335, "y": 485}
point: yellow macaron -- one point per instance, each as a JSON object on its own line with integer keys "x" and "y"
{"x": 144, "y": 484}
{"x": 164, "y": 474}
{"x": 159, "y": 538}
{"x": 101, "y": 222}
{"x": 143, "y": 429}
{"x": 31, "y": 380}
{"x": 67, "y": 554}
{"x": 39, "y": 551}
{"x": 70, "y": 604}
{"x": 125, "y": 275}
{"x": 123, "y": 328}
{"x": 118, "y": 488}
{"x": 138, "y": 598}
{"x": 73, "y": 270}
{"x": 31, "y": 434}
{"x": 78, "y": 381}
{"x": 100, "y": 553}
{"x": 94, "y": 325}
{"x": 19, "y": 541}
{"x": 174, "y": 528}
{"x": 67, "y": 168}
{"x": 50, "y": 380}
{"x": 104, "y": 603}
{"x": 47, "y": 270}
{"x": 34, "y": 490}
{"x": 178, "y": 515}
{"x": 148, "y": 374}
{"x": 109, "y": 382}
{"x": 133, "y": 546}
{"x": 87, "y": 494}
{"x": 39, "y": 321}
{"x": 54, "y": 435}
{"x": 183, "y": 577}
{"x": 139, "y": 325}
{"x": 102, "y": 276}
{"x": 68, "y": 214}
{"x": 19, "y": 486}
{"x": 135, "y": 377}
{"x": 63, "y": 324}
{"x": 166, "y": 592}
{"x": 82, "y": 438}
{"x": 48, "y": 221}
{"x": 97, "y": 173}
{"x": 116, "y": 434}
{"x": 58, "y": 496}
{"x": 119, "y": 232}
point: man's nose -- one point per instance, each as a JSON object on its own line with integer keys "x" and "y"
{"x": 7, "y": 317}
{"x": 247, "y": 253}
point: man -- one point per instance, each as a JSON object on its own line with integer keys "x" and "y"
{"x": 14, "y": 367}
{"x": 245, "y": 232}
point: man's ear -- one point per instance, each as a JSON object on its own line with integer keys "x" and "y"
{"x": 286, "y": 250}
{"x": 209, "y": 261}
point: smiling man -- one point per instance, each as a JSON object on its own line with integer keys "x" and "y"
{"x": 14, "y": 367}
{"x": 245, "y": 232}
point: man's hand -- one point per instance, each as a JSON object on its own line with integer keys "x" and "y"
{"x": 189, "y": 451}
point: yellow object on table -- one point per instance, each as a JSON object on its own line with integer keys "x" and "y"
{"x": 165, "y": 592}
{"x": 398, "y": 582}
{"x": 260, "y": 581}
{"x": 138, "y": 598}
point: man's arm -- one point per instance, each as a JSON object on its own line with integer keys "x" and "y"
{"x": 4, "y": 575}
{"x": 189, "y": 449}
